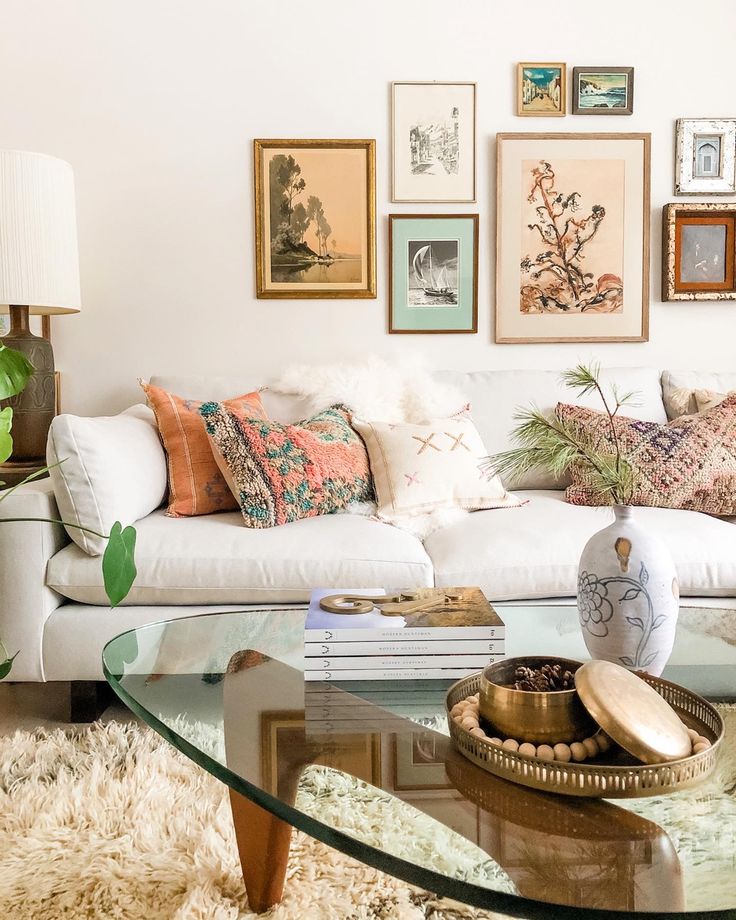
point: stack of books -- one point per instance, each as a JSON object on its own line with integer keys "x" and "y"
{"x": 369, "y": 707}
{"x": 453, "y": 640}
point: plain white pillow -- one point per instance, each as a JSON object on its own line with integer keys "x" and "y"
{"x": 113, "y": 469}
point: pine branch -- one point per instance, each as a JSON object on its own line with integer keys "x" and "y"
{"x": 555, "y": 445}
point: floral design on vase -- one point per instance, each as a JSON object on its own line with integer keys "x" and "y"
{"x": 628, "y": 595}
{"x": 596, "y": 610}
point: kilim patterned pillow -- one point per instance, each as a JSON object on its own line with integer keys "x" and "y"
{"x": 196, "y": 485}
{"x": 689, "y": 463}
{"x": 281, "y": 473}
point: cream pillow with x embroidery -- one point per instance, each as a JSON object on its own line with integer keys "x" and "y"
{"x": 421, "y": 468}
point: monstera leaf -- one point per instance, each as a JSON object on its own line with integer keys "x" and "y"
{"x": 6, "y": 665}
{"x": 15, "y": 371}
{"x": 6, "y": 441}
{"x": 118, "y": 563}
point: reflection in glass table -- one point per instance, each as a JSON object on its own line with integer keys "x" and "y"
{"x": 348, "y": 766}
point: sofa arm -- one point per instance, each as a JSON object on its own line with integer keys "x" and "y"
{"x": 25, "y": 549}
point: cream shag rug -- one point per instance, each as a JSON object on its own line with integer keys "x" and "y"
{"x": 112, "y": 822}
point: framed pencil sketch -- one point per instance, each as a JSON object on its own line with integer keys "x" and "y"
{"x": 705, "y": 156}
{"x": 433, "y": 273}
{"x": 572, "y": 239}
{"x": 315, "y": 218}
{"x": 541, "y": 89}
{"x": 602, "y": 90}
{"x": 433, "y": 142}
{"x": 699, "y": 252}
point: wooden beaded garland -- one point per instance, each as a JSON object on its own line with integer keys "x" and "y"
{"x": 466, "y": 714}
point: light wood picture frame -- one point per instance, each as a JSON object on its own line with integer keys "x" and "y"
{"x": 699, "y": 252}
{"x": 433, "y": 142}
{"x": 563, "y": 247}
{"x": 541, "y": 89}
{"x": 315, "y": 218}
{"x": 433, "y": 273}
{"x": 602, "y": 90}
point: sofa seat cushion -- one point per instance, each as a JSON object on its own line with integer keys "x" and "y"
{"x": 533, "y": 551}
{"x": 213, "y": 559}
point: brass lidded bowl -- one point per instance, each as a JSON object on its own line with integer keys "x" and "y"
{"x": 528, "y": 715}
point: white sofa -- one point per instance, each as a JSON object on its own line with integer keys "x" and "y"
{"x": 53, "y": 607}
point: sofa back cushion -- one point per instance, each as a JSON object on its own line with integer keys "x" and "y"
{"x": 495, "y": 396}
{"x": 679, "y": 389}
{"x": 280, "y": 407}
{"x": 109, "y": 469}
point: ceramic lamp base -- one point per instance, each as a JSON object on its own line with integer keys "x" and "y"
{"x": 34, "y": 408}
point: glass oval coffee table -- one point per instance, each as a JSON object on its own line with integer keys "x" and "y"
{"x": 369, "y": 769}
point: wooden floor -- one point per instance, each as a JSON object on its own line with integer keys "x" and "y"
{"x": 28, "y": 706}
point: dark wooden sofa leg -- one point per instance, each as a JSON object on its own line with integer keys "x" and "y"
{"x": 88, "y": 699}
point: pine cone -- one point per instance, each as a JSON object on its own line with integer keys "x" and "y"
{"x": 549, "y": 677}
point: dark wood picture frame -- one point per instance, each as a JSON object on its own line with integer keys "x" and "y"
{"x": 674, "y": 218}
{"x": 393, "y": 330}
{"x": 628, "y": 109}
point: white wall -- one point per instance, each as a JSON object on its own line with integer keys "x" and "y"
{"x": 155, "y": 103}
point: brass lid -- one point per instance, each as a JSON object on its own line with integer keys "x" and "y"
{"x": 632, "y": 712}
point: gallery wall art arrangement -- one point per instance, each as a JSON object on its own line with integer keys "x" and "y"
{"x": 572, "y": 214}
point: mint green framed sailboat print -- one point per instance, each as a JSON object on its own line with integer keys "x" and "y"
{"x": 433, "y": 273}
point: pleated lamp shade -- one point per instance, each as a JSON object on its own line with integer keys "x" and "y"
{"x": 39, "y": 261}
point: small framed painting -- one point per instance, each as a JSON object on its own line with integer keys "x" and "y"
{"x": 602, "y": 90}
{"x": 541, "y": 89}
{"x": 433, "y": 273}
{"x": 699, "y": 252}
{"x": 572, "y": 238}
{"x": 433, "y": 142}
{"x": 315, "y": 218}
{"x": 705, "y": 156}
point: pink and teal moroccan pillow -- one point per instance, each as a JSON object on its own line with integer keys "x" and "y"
{"x": 281, "y": 473}
{"x": 689, "y": 463}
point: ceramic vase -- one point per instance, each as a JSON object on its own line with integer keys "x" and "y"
{"x": 628, "y": 596}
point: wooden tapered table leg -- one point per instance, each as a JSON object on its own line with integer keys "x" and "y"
{"x": 263, "y": 844}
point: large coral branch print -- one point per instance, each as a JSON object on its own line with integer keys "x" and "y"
{"x": 554, "y": 279}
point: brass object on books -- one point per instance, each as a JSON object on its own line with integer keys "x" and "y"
{"x": 390, "y": 605}
{"x": 613, "y": 775}
{"x": 528, "y": 715}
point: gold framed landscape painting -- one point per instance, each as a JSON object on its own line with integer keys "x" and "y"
{"x": 572, "y": 238}
{"x": 315, "y": 218}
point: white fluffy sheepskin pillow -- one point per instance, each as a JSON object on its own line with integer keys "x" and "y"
{"x": 399, "y": 391}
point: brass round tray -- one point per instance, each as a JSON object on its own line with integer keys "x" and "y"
{"x": 614, "y": 775}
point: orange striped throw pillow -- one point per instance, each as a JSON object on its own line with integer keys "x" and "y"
{"x": 196, "y": 485}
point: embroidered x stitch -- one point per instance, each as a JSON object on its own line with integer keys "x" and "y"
{"x": 412, "y": 479}
{"x": 426, "y": 442}
{"x": 458, "y": 441}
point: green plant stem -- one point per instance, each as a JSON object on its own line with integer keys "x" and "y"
{"x": 42, "y": 472}
{"x": 52, "y": 521}
{"x": 614, "y": 433}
